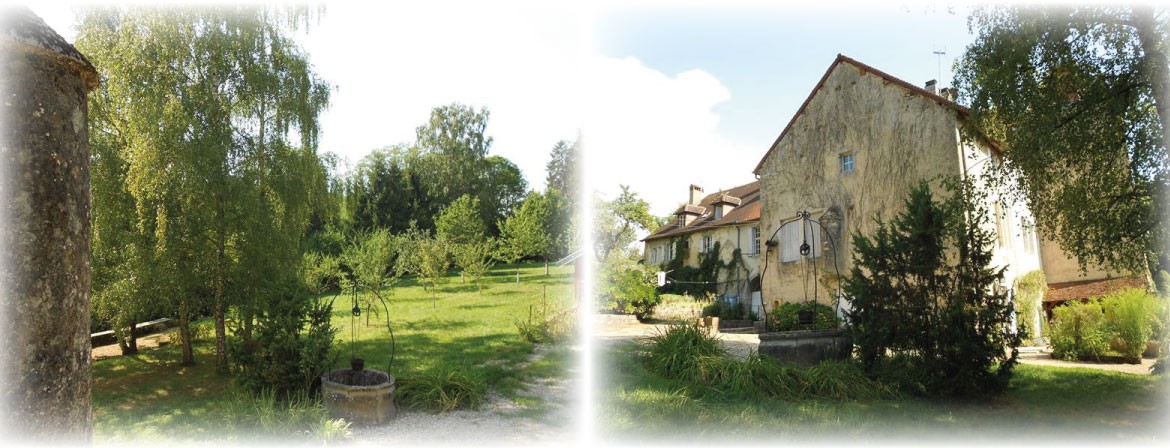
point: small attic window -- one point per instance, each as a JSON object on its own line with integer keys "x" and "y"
{"x": 719, "y": 212}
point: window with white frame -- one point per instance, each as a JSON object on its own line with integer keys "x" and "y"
{"x": 653, "y": 255}
{"x": 706, "y": 243}
{"x": 718, "y": 212}
{"x": 847, "y": 162}
{"x": 756, "y": 240}
{"x": 795, "y": 233}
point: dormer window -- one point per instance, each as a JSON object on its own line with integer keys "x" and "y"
{"x": 724, "y": 202}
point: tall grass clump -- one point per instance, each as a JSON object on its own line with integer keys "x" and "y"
{"x": 546, "y": 325}
{"x": 679, "y": 352}
{"x": 267, "y": 415}
{"x": 1078, "y": 330}
{"x": 688, "y": 354}
{"x": 1131, "y": 316}
{"x": 443, "y": 388}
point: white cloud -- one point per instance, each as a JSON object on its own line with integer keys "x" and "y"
{"x": 393, "y": 64}
{"x": 658, "y": 133}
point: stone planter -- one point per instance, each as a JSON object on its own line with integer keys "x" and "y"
{"x": 709, "y": 323}
{"x": 806, "y": 347}
{"x": 362, "y": 397}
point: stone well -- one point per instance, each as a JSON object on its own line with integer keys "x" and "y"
{"x": 806, "y": 347}
{"x": 363, "y": 397}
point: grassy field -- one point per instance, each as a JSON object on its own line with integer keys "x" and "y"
{"x": 1044, "y": 404}
{"x": 150, "y": 396}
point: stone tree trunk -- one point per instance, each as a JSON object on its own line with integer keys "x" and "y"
{"x": 44, "y": 241}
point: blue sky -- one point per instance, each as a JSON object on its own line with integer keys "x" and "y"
{"x": 766, "y": 59}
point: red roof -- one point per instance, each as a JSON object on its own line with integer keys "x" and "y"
{"x": 747, "y": 211}
{"x": 963, "y": 111}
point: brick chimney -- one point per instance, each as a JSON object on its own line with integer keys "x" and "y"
{"x": 696, "y": 195}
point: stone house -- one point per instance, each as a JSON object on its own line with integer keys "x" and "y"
{"x": 728, "y": 219}
{"x": 851, "y": 152}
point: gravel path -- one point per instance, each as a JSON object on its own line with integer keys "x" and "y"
{"x": 499, "y": 422}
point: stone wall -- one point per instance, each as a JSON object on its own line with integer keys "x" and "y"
{"x": 44, "y": 245}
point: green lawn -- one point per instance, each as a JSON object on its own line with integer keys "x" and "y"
{"x": 1043, "y": 404}
{"x": 149, "y": 396}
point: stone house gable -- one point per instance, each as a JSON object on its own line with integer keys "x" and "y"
{"x": 852, "y": 150}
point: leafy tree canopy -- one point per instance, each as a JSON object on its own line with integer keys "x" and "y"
{"x": 531, "y": 230}
{"x": 460, "y": 222}
{"x": 617, "y": 222}
{"x": 1078, "y": 97}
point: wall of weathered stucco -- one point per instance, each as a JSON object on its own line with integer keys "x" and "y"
{"x": 1060, "y": 267}
{"x": 44, "y": 245}
{"x": 897, "y": 138}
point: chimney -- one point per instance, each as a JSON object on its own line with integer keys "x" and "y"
{"x": 696, "y": 194}
{"x": 950, "y": 93}
{"x": 932, "y": 86}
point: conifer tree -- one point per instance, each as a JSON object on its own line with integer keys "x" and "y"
{"x": 926, "y": 309}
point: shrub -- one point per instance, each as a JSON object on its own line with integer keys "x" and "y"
{"x": 723, "y": 310}
{"x": 293, "y": 347}
{"x": 1030, "y": 290}
{"x": 1130, "y": 316}
{"x": 628, "y": 290}
{"x": 1078, "y": 330}
{"x": 786, "y": 317}
{"x": 923, "y": 294}
{"x": 443, "y": 388}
